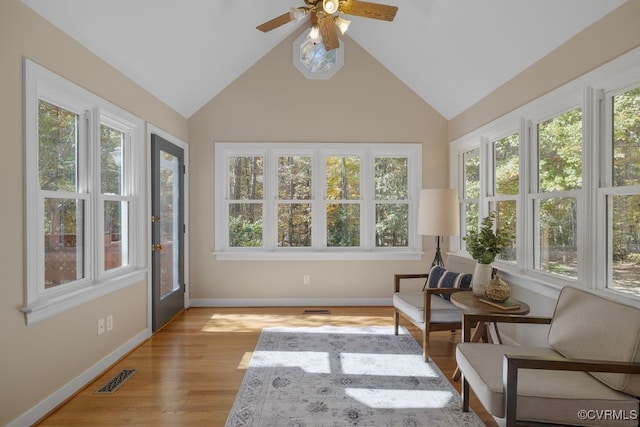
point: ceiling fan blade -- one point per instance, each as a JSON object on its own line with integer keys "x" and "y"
{"x": 328, "y": 32}
{"x": 275, "y": 22}
{"x": 368, "y": 10}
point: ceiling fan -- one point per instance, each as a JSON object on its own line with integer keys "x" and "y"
{"x": 324, "y": 18}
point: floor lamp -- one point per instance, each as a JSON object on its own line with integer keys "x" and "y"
{"x": 438, "y": 215}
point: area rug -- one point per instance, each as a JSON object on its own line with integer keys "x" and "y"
{"x": 344, "y": 376}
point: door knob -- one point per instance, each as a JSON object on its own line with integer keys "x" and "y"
{"x": 156, "y": 247}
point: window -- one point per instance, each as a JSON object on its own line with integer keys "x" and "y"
{"x": 310, "y": 58}
{"x": 559, "y": 181}
{"x": 623, "y": 193}
{"x": 471, "y": 190}
{"x": 329, "y": 201}
{"x": 80, "y": 203}
{"x": 578, "y": 207}
{"x": 503, "y": 197}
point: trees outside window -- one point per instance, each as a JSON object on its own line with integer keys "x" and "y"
{"x": 340, "y": 197}
{"x": 559, "y": 144}
{"x": 81, "y": 159}
{"x": 623, "y": 196}
{"x": 567, "y": 182}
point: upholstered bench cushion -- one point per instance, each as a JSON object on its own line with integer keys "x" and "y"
{"x": 543, "y": 396}
{"x": 412, "y": 304}
{"x": 588, "y": 326}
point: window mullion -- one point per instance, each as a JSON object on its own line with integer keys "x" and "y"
{"x": 368, "y": 206}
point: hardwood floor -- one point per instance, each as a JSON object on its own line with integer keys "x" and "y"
{"x": 190, "y": 371}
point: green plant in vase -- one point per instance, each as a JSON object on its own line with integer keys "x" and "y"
{"x": 484, "y": 246}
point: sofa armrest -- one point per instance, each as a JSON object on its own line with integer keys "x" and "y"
{"x": 471, "y": 319}
{"x": 512, "y": 364}
{"x": 398, "y": 277}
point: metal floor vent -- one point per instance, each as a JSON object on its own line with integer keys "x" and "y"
{"x": 116, "y": 382}
{"x": 318, "y": 311}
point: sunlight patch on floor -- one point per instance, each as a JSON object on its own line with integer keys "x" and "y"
{"x": 395, "y": 365}
{"x": 233, "y": 323}
{"x": 400, "y": 399}
{"x": 244, "y": 362}
{"x": 315, "y": 362}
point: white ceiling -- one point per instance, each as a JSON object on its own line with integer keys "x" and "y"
{"x": 451, "y": 53}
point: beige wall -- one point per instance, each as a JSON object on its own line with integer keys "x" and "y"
{"x": 37, "y": 360}
{"x": 274, "y": 102}
{"x": 613, "y": 35}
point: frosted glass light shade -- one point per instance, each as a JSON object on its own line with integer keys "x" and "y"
{"x": 439, "y": 212}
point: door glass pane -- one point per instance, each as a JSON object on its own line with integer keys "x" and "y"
{"x": 625, "y": 217}
{"x": 507, "y": 166}
{"x": 57, "y": 148}
{"x": 626, "y": 138}
{"x": 115, "y": 241}
{"x": 391, "y": 178}
{"x": 294, "y": 224}
{"x": 245, "y": 225}
{"x": 560, "y": 152}
{"x": 63, "y": 241}
{"x": 111, "y": 160}
{"x": 392, "y": 225}
{"x": 343, "y": 224}
{"x": 169, "y": 223}
{"x": 558, "y": 232}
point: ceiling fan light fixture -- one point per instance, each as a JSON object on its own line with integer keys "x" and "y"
{"x": 298, "y": 13}
{"x": 341, "y": 23}
{"x": 330, "y": 6}
{"x": 314, "y": 35}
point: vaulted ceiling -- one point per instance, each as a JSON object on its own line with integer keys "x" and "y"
{"x": 451, "y": 53}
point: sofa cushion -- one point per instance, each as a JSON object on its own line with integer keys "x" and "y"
{"x": 412, "y": 305}
{"x": 588, "y": 326}
{"x": 543, "y": 395}
{"x": 439, "y": 277}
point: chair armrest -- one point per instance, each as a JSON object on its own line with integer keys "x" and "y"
{"x": 398, "y": 277}
{"x": 471, "y": 319}
{"x": 513, "y": 363}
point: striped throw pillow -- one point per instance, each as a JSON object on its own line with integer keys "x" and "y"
{"x": 440, "y": 277}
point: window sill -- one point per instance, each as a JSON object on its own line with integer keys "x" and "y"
{"x": 320, "y": 256}
{"x": 47, "y": 307}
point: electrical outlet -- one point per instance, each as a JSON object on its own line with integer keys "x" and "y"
{"x": 306, "y": 279}
{"x": 109, "y": 322}
{"x": 101, "y": 326}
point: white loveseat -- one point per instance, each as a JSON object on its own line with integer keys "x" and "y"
{"x": 588, "y": 375}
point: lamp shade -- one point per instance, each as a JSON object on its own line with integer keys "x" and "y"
{"x": 439, "y": 212}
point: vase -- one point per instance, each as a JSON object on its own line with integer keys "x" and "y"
{"x": 481, "y": 278}
{"x": 497, "y": 290}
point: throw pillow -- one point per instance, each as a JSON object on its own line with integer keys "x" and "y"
{"x": 440, "y": 277}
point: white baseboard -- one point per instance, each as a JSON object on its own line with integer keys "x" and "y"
{"x": 52, "y": 401}
{"x": 290, "y": 302}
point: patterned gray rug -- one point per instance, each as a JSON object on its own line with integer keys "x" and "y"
{"x": 344, "y": 376}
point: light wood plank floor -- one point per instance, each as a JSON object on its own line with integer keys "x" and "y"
{"x": 190, "y": 371}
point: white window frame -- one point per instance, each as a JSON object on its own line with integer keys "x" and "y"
{"x": 491, "y": 198}
{"x": 42, "y": 84}
{"x": 591, "y": 92}
{"x": 319, "y": 153}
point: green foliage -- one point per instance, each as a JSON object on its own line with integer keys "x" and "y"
{"x": 486, "y": 245}
{"x": 244, "y": 233}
